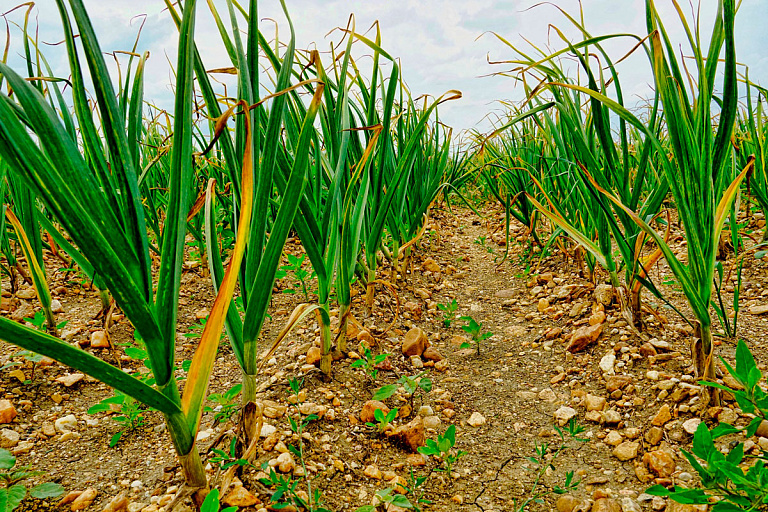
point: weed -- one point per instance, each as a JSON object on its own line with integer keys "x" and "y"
{"x": 442, "y": 448}
{"x": 544, "y": 460}
{"x": 14, "y": 491}
{"x": 474, "y": 329}
{"x": 226, "y": 460}
{"x": 368, "y": 362}
{"x": 39, "y": 322}
{"x": 410, "y": 385}
{"x": 131, "y": 415}
{"x": 449, "y": 312}
{"x": 382, "y": 419}
{"x": 213, "y": 504}
{"x": 226, "y": 404}
{"x": 738, "y": 483}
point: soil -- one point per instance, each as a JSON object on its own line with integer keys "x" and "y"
{"x": 520, "y": 378}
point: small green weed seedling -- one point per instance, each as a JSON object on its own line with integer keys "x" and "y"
{"x": 368, "y": 362}
{"x": 474, "y": 328}
{"x": 196, "y": 330}
{"x": 382, "y": 419}
{"x": 286, "y": 493}
{"x": 739, "y": 483}
{"x": 131, "y": 415}
{"x": 295, "y": 265}
{"x": 442, "y": 448}
{"x": 226, "y": 460}
{"x": 544, "y": 460}
{"x": 39, "y": 322}
{"x": 226, "y": 404}
{"x": 410, "y": 385}
{"x": 449, "y": 312}
{"x": 14, "y": 491}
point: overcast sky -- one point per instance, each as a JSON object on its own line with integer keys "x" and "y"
{"x": 442, "y": 44}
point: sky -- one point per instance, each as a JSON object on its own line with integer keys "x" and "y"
{"x": 441, "y": 44}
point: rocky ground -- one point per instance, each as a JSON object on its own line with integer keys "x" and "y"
{"x": 558, "y": 351}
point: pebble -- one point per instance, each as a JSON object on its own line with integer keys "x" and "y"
{"x": 564, "y": 414}
{"x": 607, "y": 363}
{"x": 65, "y": 423}
{"x": 7, "y": 411}
{"x": 659, "y": 462}
{"x": 584, "y": 337}
{"x": 630, "y": 505}
{"x": 84, "y": 500}
{"x": 9, "y": 438}
{"x": 547, "y": 395}
{"x": 71, "y": 379}
{"x": 415, "y": 342}
{"x": 626, "y": 450}
{"x": 99, "y": 339}
{"x": 691, "y": 425}
{"x": 613, "y": 438}
{"x": 595, "y": 403}
{"x": 239, "y": 496}
{"x": 372, "y": 471}
{"x": 367, "y": 415}
{"x": 663, "y": 416}
{"x": 477, "y": 419}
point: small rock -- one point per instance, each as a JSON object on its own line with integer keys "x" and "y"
{"x": 372, "y": 471}
{"x": 613, "y": 438}
{"x": 56, "y": 306}
{"x": 691, "y": 425}
{"x": 432, "y": 422}
{"x": 566, "y": 503}
{"x": 611, "y": 417}
{"x": 505, "y": 294}
{"x": 663, "y": 416}
{"x": 118, "y": 503}
{"x": 583, "y": 337}
{"x": 239, "y": 496}
{"x": 547, "y": 395}
{"x": 626, "y": 450}
{"x": 71, "y": 379}
{"x": 659, "y": 462}
{"x": 728, "y": 416}
{"x": 431, "y": 266}
{"x": 564, "y": 414}
{"x": 476, "y": 419}
{"x": 9, "y": 438}
{"x": 367, "y": 415}
{"x": 654, "y": 435}
{"x": 759, "y": 309}
{"x": 595, "y": 403}
{"x": 647, "y": 350}
{"x": 411, "y": 436}
{"x": 630, "y": 505}
{"x": 84, "y": 500}
{"x": 606, "y": 505}
{"x": 603, "y": 294}
{"x": 99, "y": 340}
{"x": 285, "y": 462}
{"x": 27, "y": 293}
{"x": 7, "y": 411}
{"x": 415, "y": 342}
{"x": 542, "y": 305}
{"x": 607, "y": 362}
{"x": 431, "y": 354}
{"x": 65, "y": 423}
{"x": 313, "y": 355}
{"x": 614, "y": 382}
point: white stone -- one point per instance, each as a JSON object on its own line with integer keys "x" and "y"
{"x": 607, "y": 362}
{"x": 476, "y": 419}
{"x": 65, "y": 424}
{"x": 564, "y": 414}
